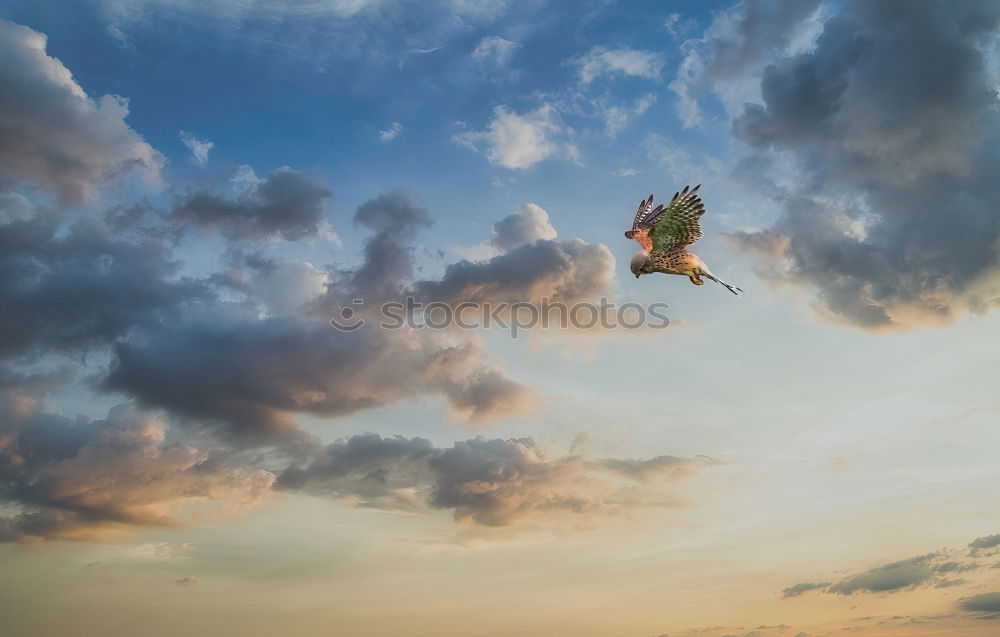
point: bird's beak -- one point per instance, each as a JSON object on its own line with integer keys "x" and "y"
{"x": 637, "y": 276}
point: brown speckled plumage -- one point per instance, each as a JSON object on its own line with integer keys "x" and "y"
{"x": 664, "y": 233}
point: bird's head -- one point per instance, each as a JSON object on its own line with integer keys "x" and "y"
{"x": 638, "y": 261}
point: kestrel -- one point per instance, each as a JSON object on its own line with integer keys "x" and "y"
{"x": 665, "y": 233}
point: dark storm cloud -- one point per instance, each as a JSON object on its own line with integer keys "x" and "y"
{"x": 750, "y": 32}
{"x": 286, "y": 204}
{"x": 51, "y": 132}
{"x": 255, "y": 375}
{"x": 485, "y": 482}
{"x": 223, "y": 350}
{"x": 494, "y": 482}
{"x": 892, "y": 126}
{"x": 560, "y": 270}
{"x": 531, "y": 265}
{"x": 84, "y": 479}
{"x": 394, "y": 219}
{"x": 233, "y": 353}
{"x": 85, "y": 287}
{"x": 803, "y": 587}
{"x": 985, "y": 603}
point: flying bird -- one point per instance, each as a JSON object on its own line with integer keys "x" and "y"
{"x": 664, "y": 234}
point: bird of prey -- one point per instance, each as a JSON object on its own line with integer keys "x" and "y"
{"x": 664, "y": 234}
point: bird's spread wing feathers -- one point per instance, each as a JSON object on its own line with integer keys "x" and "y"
{"x": 645, "y": 212}
{"x": 678, "y": 224}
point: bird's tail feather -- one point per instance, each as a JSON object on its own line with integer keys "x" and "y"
{"x": 732, "y": 288}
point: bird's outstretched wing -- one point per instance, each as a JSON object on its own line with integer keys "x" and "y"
{"x": 644, "y": 211}
{"x": 640, "y": 229}
{"x": 678, "y": 223}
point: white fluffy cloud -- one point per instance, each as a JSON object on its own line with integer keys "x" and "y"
{"x": 53, "y": 133}
{"x": 621, "y": 61}
{"x": 528, "y": 224}
{"x": 390, "y": 133}
{"x": 199, "y": 147}
{"x": 520, "y": 141}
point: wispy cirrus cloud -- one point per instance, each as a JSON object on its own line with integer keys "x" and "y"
{"x": 496, "y": 49}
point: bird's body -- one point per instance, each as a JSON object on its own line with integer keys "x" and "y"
{"x": 664, "y": 234}
{"x": 673, "y": 261}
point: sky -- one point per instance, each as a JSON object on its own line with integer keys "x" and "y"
{"x": 191, "y": 191}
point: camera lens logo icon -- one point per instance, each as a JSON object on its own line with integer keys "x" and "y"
{"x": 348, "y": 321}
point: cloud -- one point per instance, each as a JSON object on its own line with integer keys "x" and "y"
{"x": 199, "y": 148}
{"x": 283, "y": 287}
{"x": 916, "y": 572}
{"x": 286, "y": 204}
{"x": 557, "y": 270}
{"x": 643, "y": 470}
{"x": 97, "y": 480}
{"x": 394, "y": 219}
{"x": 53, "y": 133}
{"x": 92, "y": 480}
{"x": 518, "y": 141}
{"x": 253, "y": 375}
{"x": 890, "y": 577}
{"x": 768, "y": 244}
{"x": 617, "y": 117}
{"x": 984, "y": 603}
{"x": 484, "y": 482}
{"x": 84, "y": 286}
{"x": 217, "y": 369}
{"x": 528, "y": 224}
{"x": 686, "y": 105}
{"x": 731, "y": 55}
{"x": 889, "y": 126}
{"x": 495, "y": 482}
{"x": 745, "y": 37}
{"x": 803, "y": 587}
{"x": 367, "y": 470}
{"x": 955, "y": 567}
{"x": 985, "y": 542}
{"x": 496, "y": 49}
{"x": 238, "y": 355}
{"x": 187, "y": 580}
{"x": 522, "y": 263}
{"x": 601, "y": 61}
{"x": 390, "y": 133}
